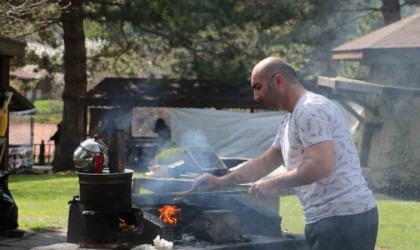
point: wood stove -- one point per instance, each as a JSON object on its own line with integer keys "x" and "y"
{"x": 96, "y": 218}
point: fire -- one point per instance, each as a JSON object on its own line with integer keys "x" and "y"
{"x": 124, "y": 227}
{"x": 169, "y": 214}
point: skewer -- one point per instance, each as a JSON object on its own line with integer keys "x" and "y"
{"x": 214, "y": 192}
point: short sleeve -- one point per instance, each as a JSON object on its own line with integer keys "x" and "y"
{"x": 280, "y": 132}
{"x": 313, "y": 124}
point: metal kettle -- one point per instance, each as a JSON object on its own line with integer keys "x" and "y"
{"x": 91, "y": 156}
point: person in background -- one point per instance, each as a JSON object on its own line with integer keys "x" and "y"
{"x": 315, "y": 145}
{"x": 163, "y": 131}
{"x": 56, "y": 138}
{"x": 41, "y": 159}
{"x": 166, "y": 151}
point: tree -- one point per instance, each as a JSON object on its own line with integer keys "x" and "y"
{"x": 201, "y": 39}
{"x": 73, "y": 124}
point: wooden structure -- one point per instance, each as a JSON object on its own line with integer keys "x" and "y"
{"x": 114, "y": 99}
{"x": 10, "y": 48}
{"x": 141, "y": 92}
{"x": 392, "y": 53}
{"x": 388, "y": 137}
{"x": 117, "y": 96}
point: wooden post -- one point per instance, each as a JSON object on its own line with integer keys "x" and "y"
{"x": 4, "y": 83}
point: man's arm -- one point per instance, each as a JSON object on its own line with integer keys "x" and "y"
{"x": 253, "y": 170}
{"x": 318, "y": 163}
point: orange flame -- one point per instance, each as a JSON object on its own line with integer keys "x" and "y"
{"x": 169, "y": 214}
{"x": 124, "y": 227}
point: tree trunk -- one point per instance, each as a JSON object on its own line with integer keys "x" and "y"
{"x": 73, "y": 127}
{"x": 391, "y": 11}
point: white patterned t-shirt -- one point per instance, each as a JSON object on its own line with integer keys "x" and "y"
{"x": 344, "y": 191}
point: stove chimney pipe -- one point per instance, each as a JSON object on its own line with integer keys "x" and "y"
{"x": 116, "y": 152}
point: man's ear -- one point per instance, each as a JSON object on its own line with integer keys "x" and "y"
{"x": 279, "y": 81}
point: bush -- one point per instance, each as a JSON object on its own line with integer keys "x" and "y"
{"x": 170, "y": 155}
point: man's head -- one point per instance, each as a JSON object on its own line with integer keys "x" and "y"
{"x": 275, "y": 84}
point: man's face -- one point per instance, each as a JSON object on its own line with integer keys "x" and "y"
{"x": 267, "y": 91}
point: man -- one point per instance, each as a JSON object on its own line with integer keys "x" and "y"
{"x": 56, "y": 138}
{"x": 315, "y": 145}
{"x": 163, "y": 131}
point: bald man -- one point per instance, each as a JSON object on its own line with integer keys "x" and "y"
{"x": 315, "y": 145}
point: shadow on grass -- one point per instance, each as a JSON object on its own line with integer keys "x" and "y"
{"x": 47, "y": 229}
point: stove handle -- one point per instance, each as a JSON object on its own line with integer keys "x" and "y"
{"x": 88, "y": 213}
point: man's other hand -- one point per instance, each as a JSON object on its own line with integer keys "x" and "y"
{"x": 206, "y": 182}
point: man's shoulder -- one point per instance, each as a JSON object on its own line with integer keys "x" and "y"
{"x": 316, "y": 99}
{"x": 318, "y": 107}
{"x": 316, "y": 103}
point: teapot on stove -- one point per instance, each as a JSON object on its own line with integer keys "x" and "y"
{"x": 91, "y": 156}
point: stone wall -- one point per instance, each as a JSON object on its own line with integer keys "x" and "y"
{"x": 394, "y": 158}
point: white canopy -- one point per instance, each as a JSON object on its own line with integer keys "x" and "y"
{"x": 230, "y": 134}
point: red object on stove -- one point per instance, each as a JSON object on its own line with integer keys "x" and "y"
{"x": 99, "y": 163}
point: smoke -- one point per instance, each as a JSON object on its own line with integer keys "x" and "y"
{"x": 193, "y": 137}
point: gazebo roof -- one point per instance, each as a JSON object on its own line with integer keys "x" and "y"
{"x": 11, "y": 47}
{"x": 18, "y": 103}
{"x": 141, "y": 92}
{"x": 400, "y": 37}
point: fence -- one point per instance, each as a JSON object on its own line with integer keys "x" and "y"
{"x": 43, "y": 154}
{"x": 25, "y": 156}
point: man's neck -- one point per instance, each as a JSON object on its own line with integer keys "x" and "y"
{"x": 296, "y": 92}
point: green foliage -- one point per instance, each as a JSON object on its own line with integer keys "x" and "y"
{"x": 368, "y": 23}
{"x": 22, "y": 86}
{"x": 14, "y": 16}
{"x": 169, "y": 155}
{"x": 199, "y": 39}
{"x": 354, "y": 70}
{"x": 196, "y": 39}
{"x": 49, "y": 106}
{"x": 211, "y": 39}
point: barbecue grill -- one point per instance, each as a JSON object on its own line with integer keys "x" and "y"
{"x": 108, "y": 215}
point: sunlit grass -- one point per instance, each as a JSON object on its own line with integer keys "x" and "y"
{"x": 43, "y": 199}
{"x": 399, "y": 221}
{"x": 292, "y": 215}
{"x": 48, "y": 111}
{"x": 399, "y": 224}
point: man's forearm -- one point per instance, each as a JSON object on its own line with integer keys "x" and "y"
{"x": 241, "y": 175}
{"x": 308, "y": 172}
{"x": 251, "y": 171}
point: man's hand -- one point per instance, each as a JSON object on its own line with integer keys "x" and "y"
{"x": 206, "y": 182}
{"x": 264, "y": 189}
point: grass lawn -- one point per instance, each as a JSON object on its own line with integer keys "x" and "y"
{"x": 49, "y": 111}
{"x": 399, "y": 221}
{"x": 43, "y": 199}
{"x": 43, "y": 203}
